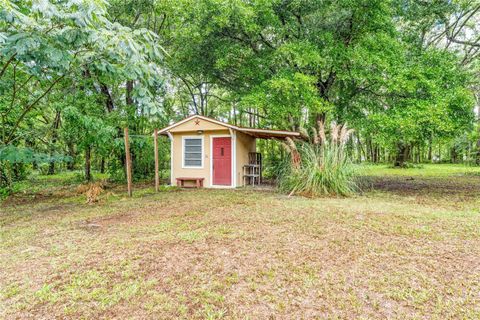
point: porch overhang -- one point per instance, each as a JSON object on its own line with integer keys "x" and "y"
{"x": 269, "y": 134}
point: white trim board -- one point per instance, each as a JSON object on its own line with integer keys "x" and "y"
{"x": 233, "y": 134}
{"x": 233, "y": 154}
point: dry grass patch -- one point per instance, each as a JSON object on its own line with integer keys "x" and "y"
{"x": 212, "y": 254}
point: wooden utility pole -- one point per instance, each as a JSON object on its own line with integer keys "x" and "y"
{"x": 128, "y": 163}
{"x": 155, "y": 146}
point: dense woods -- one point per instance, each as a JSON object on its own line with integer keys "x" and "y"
{"x": 404, "y": 74}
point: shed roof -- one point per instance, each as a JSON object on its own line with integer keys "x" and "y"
{"x": 257, "y": 133}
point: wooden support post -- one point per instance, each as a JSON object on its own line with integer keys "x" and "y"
{"x": 155, "y": 147}
{"x": 128, "y": 163}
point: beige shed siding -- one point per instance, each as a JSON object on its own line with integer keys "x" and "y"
{"x": 204, "y": 172}
{"x": 244, "y": 145}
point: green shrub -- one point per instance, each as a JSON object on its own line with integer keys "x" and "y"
{"x": 143, "y": 161}
{"x": 319, "y": 167}
{"x": 5, "y": 191}
{"x": 43, "y": 169}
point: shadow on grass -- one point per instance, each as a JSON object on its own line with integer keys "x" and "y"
{"x": 464, "y": 186}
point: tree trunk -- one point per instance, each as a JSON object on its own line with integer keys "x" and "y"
{"x": 128, "y": 93}
{"x": 72, "y": 154}
{"x": 453, "y": 155}
{"x": 29, "y": 143}
{"x": 51, "y": 168}
{"x": 3, "y": 175}
{"x": 108, "y": 97}
{"x": 477, "y": 155}
{"x": 88, "y": 174}
{"x": 56, "y": 124}
{"x": 402, "y": 155}
{"x": 102, "y": 165}
{"x": 359, "y": 150}
{"x": 369, "y": 153}
{"x": 376, "y": 151}
{"x": 430, "y": 150}
{"x": 234, "y": 114}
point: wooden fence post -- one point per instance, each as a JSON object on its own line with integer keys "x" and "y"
{"x": 128, "y": 163}
{"x": 155, "y": 146}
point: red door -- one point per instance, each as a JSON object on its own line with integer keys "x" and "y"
{"x": 222, "y": 161}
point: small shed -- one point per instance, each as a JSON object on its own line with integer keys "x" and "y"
{"x": 218, "y": 154}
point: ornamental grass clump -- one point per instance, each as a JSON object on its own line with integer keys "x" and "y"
{"x": 320, "y": 166}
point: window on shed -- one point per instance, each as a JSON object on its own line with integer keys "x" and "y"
{"x": 192, "y": 152}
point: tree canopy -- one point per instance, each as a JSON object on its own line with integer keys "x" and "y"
{"x": 404, "y": 74}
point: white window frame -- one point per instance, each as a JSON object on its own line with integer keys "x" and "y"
{"x": 201, "y": 137}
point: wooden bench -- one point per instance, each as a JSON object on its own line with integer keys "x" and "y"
{"x": 198, "y": 182}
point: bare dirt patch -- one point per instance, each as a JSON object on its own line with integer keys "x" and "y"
{"x": 466, "y": 186}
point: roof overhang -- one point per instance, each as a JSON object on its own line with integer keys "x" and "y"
{"x": 269, "y": 134}
{"x": 257, "y": 133}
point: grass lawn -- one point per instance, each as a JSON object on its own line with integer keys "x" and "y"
{"x": 407, "y": 247}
